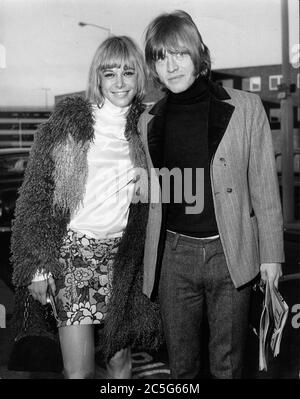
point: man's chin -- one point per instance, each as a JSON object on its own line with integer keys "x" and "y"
{"x": 176, "y": 89}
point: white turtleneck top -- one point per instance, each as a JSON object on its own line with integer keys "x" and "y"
{"x": 110, "y": 181}
{"x": 109, "y": 187}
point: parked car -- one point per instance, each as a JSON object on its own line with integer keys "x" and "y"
{"x": 13, "y": 162}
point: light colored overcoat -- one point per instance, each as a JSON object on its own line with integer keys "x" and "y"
{"x": 244, "y": 186}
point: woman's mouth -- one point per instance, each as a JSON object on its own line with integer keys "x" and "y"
{"x": 120, "y": 93}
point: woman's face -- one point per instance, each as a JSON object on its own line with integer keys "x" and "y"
{"x": 119, "y": 85}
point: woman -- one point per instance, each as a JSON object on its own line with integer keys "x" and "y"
{"x": 77, "y": 231}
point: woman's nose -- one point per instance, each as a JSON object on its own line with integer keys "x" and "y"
{"x": 171, "y": 63}
{"x": 120, "y": 81}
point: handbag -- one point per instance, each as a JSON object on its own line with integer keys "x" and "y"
{"x": 36, "y": 347}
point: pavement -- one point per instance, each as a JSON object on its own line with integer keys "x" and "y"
{"x": 155, "y": 365}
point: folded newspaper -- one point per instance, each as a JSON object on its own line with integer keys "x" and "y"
{"x": 272, "y": 321}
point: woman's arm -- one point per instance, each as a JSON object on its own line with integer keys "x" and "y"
{"x": 35, "y": 227}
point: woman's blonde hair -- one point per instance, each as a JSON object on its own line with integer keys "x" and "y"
{"x": 116, "y": 52}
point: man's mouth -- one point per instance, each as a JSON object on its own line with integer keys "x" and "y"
{"x": 174, "y": 78}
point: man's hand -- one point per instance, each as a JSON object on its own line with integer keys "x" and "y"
{"x": 271, "y": 272}
{"x": 38, "y": 289}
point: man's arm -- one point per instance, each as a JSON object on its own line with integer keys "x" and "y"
{"x": 271, "y": 272}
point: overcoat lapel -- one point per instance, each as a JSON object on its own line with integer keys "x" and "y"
{"x": 220, "y": 113}
{"x": 156, "y": 132}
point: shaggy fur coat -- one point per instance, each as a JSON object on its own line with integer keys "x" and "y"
{"x": 53, "y": 187}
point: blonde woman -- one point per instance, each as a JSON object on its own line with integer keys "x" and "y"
{"x": 77, "y": 233}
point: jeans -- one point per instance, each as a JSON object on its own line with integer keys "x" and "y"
{"x": 194, "y": 283}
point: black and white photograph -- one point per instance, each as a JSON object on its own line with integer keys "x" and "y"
{"x": 149, "y": 193}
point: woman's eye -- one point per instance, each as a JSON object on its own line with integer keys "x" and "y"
{"x": 180, "y": 54}
{"x": 108, "y": 75}
{"x": 129, "y": 73}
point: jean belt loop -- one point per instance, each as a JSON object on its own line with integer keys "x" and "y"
{"x": 175, "y": 241}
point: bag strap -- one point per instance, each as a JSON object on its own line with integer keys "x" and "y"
{"x": 25, "y": 314}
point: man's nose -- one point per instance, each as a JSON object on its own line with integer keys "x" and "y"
{"x": 171, "y": 63}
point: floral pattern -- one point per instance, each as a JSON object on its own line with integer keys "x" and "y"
{"x": 84, "y": 288}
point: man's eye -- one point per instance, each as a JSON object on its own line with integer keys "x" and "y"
{"x": 180, "y": 54}
{"x": 161, "y": 59}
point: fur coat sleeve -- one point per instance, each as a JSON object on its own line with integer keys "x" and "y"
{"x": 40, "y": 219}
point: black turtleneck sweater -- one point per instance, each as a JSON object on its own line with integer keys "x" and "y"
{"x": 186, "y": 146}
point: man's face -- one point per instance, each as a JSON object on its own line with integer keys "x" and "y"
{"x": 176, "y": 70}
{"x": 119, "y": 85}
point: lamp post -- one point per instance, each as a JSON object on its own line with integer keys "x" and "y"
{"x": 108, "y": 30}
{"x": 46, "y": 89}
{"x": 2, "y": 56}
{"x": 286, "y": 122}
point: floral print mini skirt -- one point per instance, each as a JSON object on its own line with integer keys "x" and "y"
{"x": 84, "y": 288}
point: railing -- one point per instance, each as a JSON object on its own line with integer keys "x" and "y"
{"x": 16, "y": 132}
{"x": 296, "y": 158}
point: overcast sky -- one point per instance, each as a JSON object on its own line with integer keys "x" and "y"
{"x": 46, "y": 49}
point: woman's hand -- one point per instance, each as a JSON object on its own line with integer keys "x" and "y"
{"x": 38, "y": 289}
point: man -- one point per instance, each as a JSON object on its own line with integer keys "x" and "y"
{"x": 206, "y": 261}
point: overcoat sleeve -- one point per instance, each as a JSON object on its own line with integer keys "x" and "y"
{"x": 263, "y": 188}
